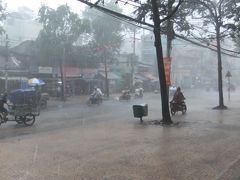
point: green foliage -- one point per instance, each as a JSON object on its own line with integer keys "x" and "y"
{"x": 237, "y": 40}
{"x": 222, "y": 14}
{"x": 218, "y": 21}
{"x": 166, "y": 7}
{"x": 61, "y": 28}
{"x": 107, "y": 36}
{"x": 82, "y": 56}
{"x": 2, "y": 16}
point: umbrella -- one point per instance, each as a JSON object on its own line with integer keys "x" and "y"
{"x": 35, "y": 81}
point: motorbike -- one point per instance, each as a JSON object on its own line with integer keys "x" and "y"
{"x": 175, "y": 107}
{"x": 94, "y": 99}
{"x": 138, "y": 93}
{"x": 125, "y": 95}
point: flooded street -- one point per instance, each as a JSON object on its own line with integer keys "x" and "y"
{"x": 75, "y": 141}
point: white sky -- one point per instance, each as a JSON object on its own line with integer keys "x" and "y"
{"x": 13, "y": 5}
{"x": 76, "y": 6}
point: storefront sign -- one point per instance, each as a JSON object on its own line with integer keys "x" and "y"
{"x": 45, "y": 70}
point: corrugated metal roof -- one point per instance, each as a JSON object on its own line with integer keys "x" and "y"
{"x": 15, "y": 78}
{"x": 111, "y": 75}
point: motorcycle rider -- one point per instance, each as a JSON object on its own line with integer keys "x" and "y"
{"x": 125, "y": 94}
{"x": 3, "y": 100}
{"x": 178, "y": 97}
{"x": 96, "y": 95}
{"x": 139, "y": 92}
{"x": 99, "y": 92}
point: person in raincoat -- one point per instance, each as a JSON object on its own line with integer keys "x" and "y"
{"x": 178, "y": 97}
{"x": 3, "y": 100}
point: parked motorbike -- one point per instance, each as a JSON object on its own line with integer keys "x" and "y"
{"x": 138, "y": 93}
{"x": 125, "y": 95}
{"x": 175, "y": 107}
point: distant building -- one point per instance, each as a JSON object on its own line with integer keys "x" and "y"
{"x": 20, "y": 26}
{"x": 11, "y": 70}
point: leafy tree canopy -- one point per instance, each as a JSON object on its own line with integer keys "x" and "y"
{"x": 215, "y": 14}
{"x": 175, "y": 10}
{"x": 61, "y": 28}
{"x": 2, "y": 16}
{"x": 107, "y": 33}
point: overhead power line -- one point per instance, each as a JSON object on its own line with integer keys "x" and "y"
{"x": 204, "y": 46}
{"x": 128, "y": 19}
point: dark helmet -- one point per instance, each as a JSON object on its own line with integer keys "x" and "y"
{"x": 178, "y": 89}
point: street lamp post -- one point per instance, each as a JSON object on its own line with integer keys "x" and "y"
{"x": 228, "y": 76}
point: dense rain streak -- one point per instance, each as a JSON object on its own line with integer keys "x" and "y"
{"x": 120, "y": 89}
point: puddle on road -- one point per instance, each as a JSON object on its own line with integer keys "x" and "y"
{"x": 175, "y": 123}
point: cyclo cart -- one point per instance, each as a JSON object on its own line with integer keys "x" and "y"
{"x": 24, "y": 106}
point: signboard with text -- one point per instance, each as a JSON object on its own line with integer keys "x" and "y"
{"x": 45, "y": 70}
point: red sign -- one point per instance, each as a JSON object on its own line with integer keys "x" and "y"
{"x": 167, "y": 67}
{"x": 71, "y": 72}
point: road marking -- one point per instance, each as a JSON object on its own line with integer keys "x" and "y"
{"x": 35, "y": 153}
{"x": 231, "y": 164}
{"x": 25, "y": 175}
{"x": 58, "y": 169}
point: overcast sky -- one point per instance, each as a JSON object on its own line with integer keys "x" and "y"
{"x": 76, "y": 6}
{"x": 36, "y": 4}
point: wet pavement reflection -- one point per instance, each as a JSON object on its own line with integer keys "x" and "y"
{"x": 74, "y": 141}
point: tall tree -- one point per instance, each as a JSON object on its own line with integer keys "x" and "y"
{"x": 237, "y": 40}
{"x": 107, "y": 38}
{"x": 159, "y": 52}
{"x": 61, "y": 28}
{"x": 236, "y": 29}
{"x": 132, "y": 30}
{"x": 2, "y": 16}
{"x": 175, "y": 21}
{"x": 155, "y": 6}
{"x": 162, "y": 13}
{"x": 173, "y": 17}
{"x": 218, "y": 17}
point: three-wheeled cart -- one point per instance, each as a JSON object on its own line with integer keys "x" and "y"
{"x": 24, "y": 107}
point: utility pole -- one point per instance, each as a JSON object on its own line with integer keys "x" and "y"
{"x": 6, "y": 63}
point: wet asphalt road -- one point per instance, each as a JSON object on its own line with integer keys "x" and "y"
{"x": 106, "y": 142}
{"x": 77, "y": 114}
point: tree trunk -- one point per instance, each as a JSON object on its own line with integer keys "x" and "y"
{"x": 6, "y": 64}
{"x": 132, "y": 61}
{"x": 106, "y": 73}
{"x": 62, "y": 62}
{"x": 62, "y": 80}
{"x": 220, "y": 88}
{"x": 158, "y": 44}
{"x": 169, "y": 30}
